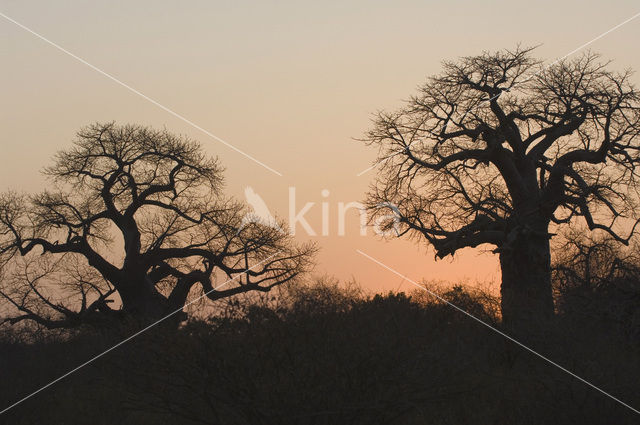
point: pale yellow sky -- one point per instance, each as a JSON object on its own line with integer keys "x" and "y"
{"x": 290, "y": 83}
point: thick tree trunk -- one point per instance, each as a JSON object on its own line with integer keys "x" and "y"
{"x": 527, "y": 299}
{"x": 142, "y": 302}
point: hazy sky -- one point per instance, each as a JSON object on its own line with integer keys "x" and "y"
{"x": 291, "y": 83}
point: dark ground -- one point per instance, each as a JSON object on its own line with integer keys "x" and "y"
{"x": 328, "y": 356}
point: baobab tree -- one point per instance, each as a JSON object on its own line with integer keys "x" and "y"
{"x": 138, "y": 215}
{"x": 499, "y": 150}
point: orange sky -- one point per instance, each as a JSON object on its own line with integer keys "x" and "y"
{"x": 290, "y": 83}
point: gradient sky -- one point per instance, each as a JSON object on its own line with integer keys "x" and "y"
{"x": 290, "y": 83}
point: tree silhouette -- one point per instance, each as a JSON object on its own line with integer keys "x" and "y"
{"x": 136, "y": 213}
{"x": 498, "y": 150}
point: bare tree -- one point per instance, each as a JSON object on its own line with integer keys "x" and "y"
{"x": 497, "y": 150}
{"x": 595, "y": 279}
{"x": 584, "y": 262}
{"x": 138, "y": 214}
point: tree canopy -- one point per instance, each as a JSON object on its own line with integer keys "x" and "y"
{"x": 498, "y": 148}
{"x": 138, "y": 215}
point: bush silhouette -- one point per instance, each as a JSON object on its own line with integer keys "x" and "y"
{"x": 322, "y": 353}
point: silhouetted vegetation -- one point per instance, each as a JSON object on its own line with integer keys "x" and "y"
{"x": 598, "y": 282}
{"x": 325, "y": 353}
{"x": 134, "y": 218}
{"x": 500, "y": 150}
{"x": 494, "y": 151}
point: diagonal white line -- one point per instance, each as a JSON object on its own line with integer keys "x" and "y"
{"x": 366, "y": 170}
{"x": 142, "y": 95}
{"x": 497, "y": 331}
{"x": 597, "y": 38}
{"x": 91, "y": 360}
{"x": 577, "y": 49}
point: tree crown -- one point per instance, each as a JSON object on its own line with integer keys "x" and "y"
{"x": 142, "y": 213}
{"x": 498, "y": 144}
